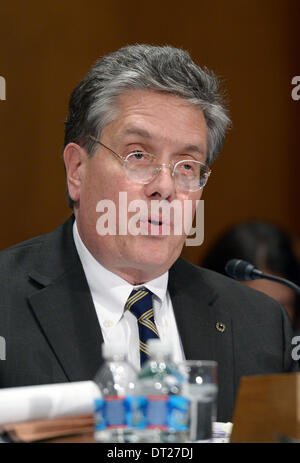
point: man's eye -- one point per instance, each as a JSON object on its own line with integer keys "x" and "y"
{"x": 138, "y": 155}
{"x": 187, "y": 166}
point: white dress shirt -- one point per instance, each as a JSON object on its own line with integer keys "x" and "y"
{"x": 110, "y": 293}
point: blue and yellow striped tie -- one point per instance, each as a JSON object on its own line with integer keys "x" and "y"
{"x": 140, "y": 304}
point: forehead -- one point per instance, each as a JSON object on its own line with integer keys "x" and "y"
{"x": 158, "y": 117}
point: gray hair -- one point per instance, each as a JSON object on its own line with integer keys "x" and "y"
{"x": 143, "y": 67}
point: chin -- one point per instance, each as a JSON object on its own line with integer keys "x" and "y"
{"x": 157, "y": 256}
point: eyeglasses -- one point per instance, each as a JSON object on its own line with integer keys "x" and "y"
{"x": 140, "y": 167}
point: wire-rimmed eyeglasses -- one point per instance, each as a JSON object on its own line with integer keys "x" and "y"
{"x": 141, "y": 167}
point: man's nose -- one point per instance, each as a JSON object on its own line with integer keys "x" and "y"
{"x": 162, "y": 185}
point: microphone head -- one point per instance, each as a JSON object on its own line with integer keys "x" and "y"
{"x": 240, "y": 270}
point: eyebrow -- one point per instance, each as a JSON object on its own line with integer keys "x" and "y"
{"x": 194, "y": 149}
{"x": 145, "y": 134}
{"x": 136, "y": 131}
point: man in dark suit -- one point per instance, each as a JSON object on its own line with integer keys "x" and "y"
{"x": 145, "y": 122}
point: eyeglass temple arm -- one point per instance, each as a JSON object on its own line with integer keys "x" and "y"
{"x": 104, "y": 146}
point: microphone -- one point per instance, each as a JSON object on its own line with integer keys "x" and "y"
{"x": 243, "y": 270}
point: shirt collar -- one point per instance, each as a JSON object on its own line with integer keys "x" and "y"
{"x": 107, "y": 288}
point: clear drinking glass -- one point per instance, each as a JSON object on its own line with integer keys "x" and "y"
{"x": 201, "y": 388}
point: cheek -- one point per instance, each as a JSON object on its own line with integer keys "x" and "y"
{"x": 101, "y": 183}
{"x": 189, "y": 204}
{"x": 114, "y": 190}
{"x": 189, "y": 196}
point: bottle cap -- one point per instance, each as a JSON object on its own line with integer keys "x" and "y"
{"x": 157, "y": 346}
{"x": 109, "y": 350}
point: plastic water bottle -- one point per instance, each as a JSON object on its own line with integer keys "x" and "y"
{"x": 115, "y": 412}
{"x": 167, "y": 411}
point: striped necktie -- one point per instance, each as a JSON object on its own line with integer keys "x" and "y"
{"x": 140, "y": 304}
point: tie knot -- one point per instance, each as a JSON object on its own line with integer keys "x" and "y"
{"x": 139, "y": 302}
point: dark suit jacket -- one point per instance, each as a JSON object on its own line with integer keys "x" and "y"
{"x": 52, "y": 332}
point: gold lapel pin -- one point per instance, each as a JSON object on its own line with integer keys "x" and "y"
{"x": 221, "y": 327}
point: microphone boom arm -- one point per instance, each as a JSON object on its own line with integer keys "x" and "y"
{"x": 244, "y": 271}
{"x": 288, "y": 283}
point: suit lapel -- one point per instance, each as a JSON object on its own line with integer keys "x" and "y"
{"x": 201, "y": 317}
{"x": 64, "y": 308}
{"x": 194, "y": 325}
{"x": 194, "y": 316}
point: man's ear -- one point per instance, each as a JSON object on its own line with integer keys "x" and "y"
{"x": 74, "y": 158}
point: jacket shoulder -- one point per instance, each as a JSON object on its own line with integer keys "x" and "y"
{"x": 231, "y": 292}
{"x": 23, "y": 256}
{"x": 19, "y": 253}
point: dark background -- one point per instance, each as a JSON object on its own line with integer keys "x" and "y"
{"x": 253, "y": 45}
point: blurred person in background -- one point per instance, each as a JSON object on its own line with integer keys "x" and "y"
{"x": 270, "y": 249}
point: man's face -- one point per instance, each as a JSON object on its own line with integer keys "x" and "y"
{"x": 161, "y": 124}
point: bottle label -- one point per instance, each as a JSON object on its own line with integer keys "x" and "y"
{"x": 157, "y": 412}
{"x": 178, "y": 413}
{"x": 110, "y": 412}
{"x": 115, "y": 412}
{"x": 136, "y": 409}
{"x": 98, "y": 414}
{"x": 119, "y": 412}
{"x": 138, "y": 412}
